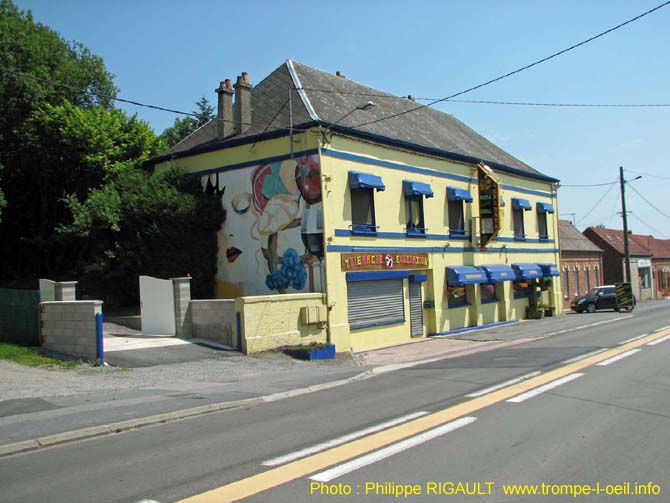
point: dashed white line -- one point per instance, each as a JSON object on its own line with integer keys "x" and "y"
{"x": 632, "y": 339}
{"x": 503, "y": 384}
{"x": 341, "y": 440}
{"x": 618, "y": 357}
{"x": 589, "y": 325}
{"x": 386, "y": 452}
{"x": 537, "y": 391}
{"x": 584, "y": 356}
{"x": 659, "y": 340}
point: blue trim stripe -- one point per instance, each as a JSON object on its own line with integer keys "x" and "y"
{"x": 440, "y": 237}
{"x": 434, "y": 249}
{"x": 424, "y": 171}
{"x": 376, "y": 275}
{"x": 472, "y": 329}
{"x": 246, "y": 164}
{"x": 418, "y": 278}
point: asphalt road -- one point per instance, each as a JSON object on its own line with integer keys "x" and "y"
{"x": 608, "y": 425}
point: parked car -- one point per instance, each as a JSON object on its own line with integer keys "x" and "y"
{"x": 601, "y": 297}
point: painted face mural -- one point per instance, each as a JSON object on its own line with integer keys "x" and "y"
{"x": 272, "y": 239}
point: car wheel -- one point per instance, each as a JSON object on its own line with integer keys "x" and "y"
{"x": 591, "y": 308}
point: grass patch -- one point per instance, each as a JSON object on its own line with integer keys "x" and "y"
{"x": 32, "y": 357}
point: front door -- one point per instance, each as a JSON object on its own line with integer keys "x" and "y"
{"x": 415, "y": 310}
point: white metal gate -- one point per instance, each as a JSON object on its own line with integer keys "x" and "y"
{"x": 157, "y": 306}
{"x": 415, "y": 309}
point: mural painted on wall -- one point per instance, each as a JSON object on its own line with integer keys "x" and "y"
{"x": 272, "y": 238}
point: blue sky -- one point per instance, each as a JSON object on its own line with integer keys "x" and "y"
{"x": 169, "y": 53}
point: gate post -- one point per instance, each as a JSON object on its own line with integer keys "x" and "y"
{"x": 182, "y": 309}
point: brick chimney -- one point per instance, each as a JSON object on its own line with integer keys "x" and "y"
{"x": 242, "y": 103}
{"x": 224, "y": 115}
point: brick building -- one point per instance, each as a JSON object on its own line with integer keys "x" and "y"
{"x": 612, "y": 243}
{"x": 581, "y": 262}
{"x": 660, "y": 263}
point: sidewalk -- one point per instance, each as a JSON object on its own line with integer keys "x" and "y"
{"x": 39, "y": 403}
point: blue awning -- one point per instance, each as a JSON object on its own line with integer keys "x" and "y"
{"x": 417, "y": 278}
{"x": 416, "y": 189}
{"x": 497, "y": 273}
{"x": 545, "y": 208}
{"x": 521, "y": 204}
{"x": 465, "y": 275}
{"x": 527, "y": 271}
{"x": 549, "y": 270}
{"x": 365, "y": 181}
{"x": 454, "y": 194}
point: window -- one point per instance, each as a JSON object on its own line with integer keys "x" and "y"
{"x": 542, "y": 210}
{"x": 566, "y": 283}
{"x": 576, "y": 280}
{"x": 456, "y": 219}
{"x": 363, "y": 210}
{"x": 455, "y": 199}
{"x": 542, "y": 225}
{"x": 518, "y": 207}
{"x": 414, "y": 212}
{"x": 457, "y": 296}
{"x": 521, "y": 289}
{"x": 362, "y": 187}
{"x": 488, "y": 292}
{"x": 588, "y": 279}
{"x": 598, "y": 280}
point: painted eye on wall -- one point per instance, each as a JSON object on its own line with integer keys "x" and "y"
{"x": 241, "y": 203}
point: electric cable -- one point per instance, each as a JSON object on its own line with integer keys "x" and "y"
{"x": 518, "y": 70}
{"x": 652, "y": 229}
{"x": 649, "y": 174}
{"x": 596, "y": 205}
{"x": 648, "y": 202}
{"x": 590, "y": 185}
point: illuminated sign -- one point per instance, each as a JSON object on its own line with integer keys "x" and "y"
{"x": 383, "y": 261}
{"x": 490, "y": 219}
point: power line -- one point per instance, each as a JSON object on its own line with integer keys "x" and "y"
{"x": 648, "y": 202}
{"x": 518, "y": 70}
{"x": 590, "y": 185}
{"x": 597, "y": 204}
{"x": 652, "y": 229}
{"x": 649, "y": 174}
{"x": 131, "y": 102}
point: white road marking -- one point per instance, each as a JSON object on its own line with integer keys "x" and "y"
{"x": 537, "y": 391}
{"x": 659, "y": 340}
{"x": 341, "y": 440}
{"x": 632, "y": 339}
{"x": 584, "y": 356}
{"x": 589, "y": 325}
{"x": 618, "y": 357}
{"x": 386, "y": 452}
{"x": 503, "y": 384}
{"x": 603, "y": 322}
{"x": 662, "y": 328}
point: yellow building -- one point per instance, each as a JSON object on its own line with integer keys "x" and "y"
{"x": 410, "y": 223}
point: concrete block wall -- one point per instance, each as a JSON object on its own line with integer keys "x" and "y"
{"x": 69, "y": 327}
{"x": 214, "y": 320}
{"x": 271, "y": 321}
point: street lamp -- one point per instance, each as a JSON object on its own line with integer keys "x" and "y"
{"x": 361, "y": 106}
{"x": 626, "y": 250}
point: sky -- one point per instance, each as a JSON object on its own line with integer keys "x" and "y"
{"x": 171, "y": 52}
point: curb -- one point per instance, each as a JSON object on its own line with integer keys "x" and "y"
{"x": 168, "y": 417}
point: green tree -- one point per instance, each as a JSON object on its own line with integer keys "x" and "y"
{"x": 162, "y": 225}
{"x": 184, "y": 126}
{"x": 38, "y": 68}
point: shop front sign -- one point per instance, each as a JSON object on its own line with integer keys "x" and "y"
{"x": 383, "y": 261}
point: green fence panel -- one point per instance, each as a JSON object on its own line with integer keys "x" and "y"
{"x": 19, "y": 316}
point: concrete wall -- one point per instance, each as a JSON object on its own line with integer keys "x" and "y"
{"x": 271, "y": 321}
{"x": 214, "y": 320}
{"x": 69, "y": 327}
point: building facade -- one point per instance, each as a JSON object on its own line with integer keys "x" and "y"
{"x": 611, "y": 241}
{"x": 411, "y": 226}
{"x": 581, "y": 263}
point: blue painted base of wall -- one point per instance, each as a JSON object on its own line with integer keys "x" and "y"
{"x": 472, "y": 329}
{"x": 326, "y": 353}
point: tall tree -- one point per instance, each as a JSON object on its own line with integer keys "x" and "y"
{"x": 39, "y": 70}
{"x": 183, "y": 127}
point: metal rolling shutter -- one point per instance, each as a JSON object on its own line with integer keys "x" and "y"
{"x": 375, "y": 302}
{"x": 415, "y": 309}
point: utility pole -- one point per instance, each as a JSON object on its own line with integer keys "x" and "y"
{"x": 626, "y": 250}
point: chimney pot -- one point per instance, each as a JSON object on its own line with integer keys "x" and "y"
{"x": 339, "y": 74}
{"x": 242, "y": 109}
{"x": 224, "y": 115}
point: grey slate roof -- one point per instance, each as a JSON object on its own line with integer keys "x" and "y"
{"x": 326, "y": 98}
{"x": 571, "y": 240}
